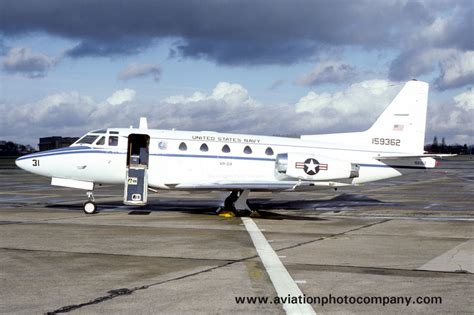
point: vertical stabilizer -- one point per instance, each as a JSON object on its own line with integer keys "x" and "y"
{"x": 404, "y": 119}
{"x": 399, "y": 129}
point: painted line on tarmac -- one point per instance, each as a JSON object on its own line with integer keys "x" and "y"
{"x": 282, "y": 281}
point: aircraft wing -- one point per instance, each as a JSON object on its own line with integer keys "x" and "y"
{"x": 259, "y": 185}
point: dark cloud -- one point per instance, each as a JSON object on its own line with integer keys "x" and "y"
{"x": 328, "y": 71}
{"x": 412, "y": 64}
{"x": 235, "y": 32}
{"x": 245, "y": 32}
{"x": 112, "y": 47}
{"x": 456, "y": 70}
{"x": 25, "y": 62}
{"x": 457, "y": 32}
{"x": 437, "y": 44}
{"x": 136, "y": 70}
{"x": 246, "y": 52}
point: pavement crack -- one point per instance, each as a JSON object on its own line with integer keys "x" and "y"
{"x": 332, "y": 235}
{"x": 381, "y": 270}
{"x": 110, "y": 254}
{"x": 126, "y": 291}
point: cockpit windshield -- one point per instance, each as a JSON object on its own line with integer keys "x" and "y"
{"x": 87, "y": 139}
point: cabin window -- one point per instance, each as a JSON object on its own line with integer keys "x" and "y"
{"x": 101, "y": 141}
{"x": 247, "y": 150}
{"x": 89, "y": 139}
{"x": 269, "y": 151}
{"x": 204, "y": 147}
{"x": 113, "y": 141}
{"x": 162, "y": 145}
{"x": 225, "y": 149}
{"x": 183, "y": 146}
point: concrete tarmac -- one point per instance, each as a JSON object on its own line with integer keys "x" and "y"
{"x": 407, "y": 237}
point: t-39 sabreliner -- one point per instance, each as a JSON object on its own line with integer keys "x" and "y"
{"x": 145, "y": 159}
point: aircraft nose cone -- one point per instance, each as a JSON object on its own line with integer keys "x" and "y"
{"x": 25, "y": 162}
{"x": 21, "y": 162}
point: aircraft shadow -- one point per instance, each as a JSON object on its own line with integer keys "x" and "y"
{"x": 266, "y": 207}
{"x": 337, "y": 203}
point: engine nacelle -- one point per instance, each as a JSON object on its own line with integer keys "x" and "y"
{"x": 311, "y": 167}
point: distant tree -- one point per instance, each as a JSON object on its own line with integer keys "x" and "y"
{"x": 9, "y": 148}
{"x": 443, "y": 147}
{"x": 434, "y": 146}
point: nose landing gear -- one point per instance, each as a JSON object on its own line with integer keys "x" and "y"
{"x": 90, "y": 206}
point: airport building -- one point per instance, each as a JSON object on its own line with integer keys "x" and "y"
{"x": 49, "y": 143}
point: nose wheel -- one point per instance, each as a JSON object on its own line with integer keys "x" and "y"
{"x": 90, "y": 207}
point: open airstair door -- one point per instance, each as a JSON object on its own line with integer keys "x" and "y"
{"x": 136, "y": 181}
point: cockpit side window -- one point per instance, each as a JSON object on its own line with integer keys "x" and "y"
{"x": 87, "y": 139}
{"x": 101, "y": 141}
{"x": 113, "y": 141}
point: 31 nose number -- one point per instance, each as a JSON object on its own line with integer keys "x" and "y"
{"x": 36, "y": 162}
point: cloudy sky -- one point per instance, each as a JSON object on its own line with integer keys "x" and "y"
{"x": 261, "y": 67}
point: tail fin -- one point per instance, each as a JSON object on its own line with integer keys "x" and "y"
{"x": 400, "y": 128}
{"x": 404, "y": 119}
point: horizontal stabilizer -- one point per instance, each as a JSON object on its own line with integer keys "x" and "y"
{"x": 400, "y": 157}
{"x": 407, "y": 162}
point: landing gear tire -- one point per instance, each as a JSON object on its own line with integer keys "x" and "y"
{"x": 242, "y": 213}
{"x": 90, "y": 207}
{"x": 237, "y": 203}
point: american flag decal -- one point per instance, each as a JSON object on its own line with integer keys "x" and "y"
{"x": 397, "y": 127}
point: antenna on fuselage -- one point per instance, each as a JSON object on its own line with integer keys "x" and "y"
{"x": 143, "y": 123}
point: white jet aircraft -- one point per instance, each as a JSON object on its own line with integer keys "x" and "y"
{"x": 145, "y": 159}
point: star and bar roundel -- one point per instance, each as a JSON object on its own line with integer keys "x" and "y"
{"x": 311, "y": 166}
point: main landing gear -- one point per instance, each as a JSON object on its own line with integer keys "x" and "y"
{"x": 90, "y": 206}
{"x": 237, "y": 204}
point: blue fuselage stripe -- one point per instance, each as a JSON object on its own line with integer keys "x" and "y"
{"x": 81, "y": 150}
{"x": 39, "y": 155}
